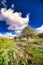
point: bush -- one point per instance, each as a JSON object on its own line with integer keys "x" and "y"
{"x": 15, "y": 38}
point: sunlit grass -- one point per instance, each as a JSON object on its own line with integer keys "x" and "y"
{"x": 9, "y": 51}
{"x": 36, "y": 39}
{"x": 6, "y": 43}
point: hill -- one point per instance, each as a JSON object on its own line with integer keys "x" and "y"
{"x": 20, "y": 53}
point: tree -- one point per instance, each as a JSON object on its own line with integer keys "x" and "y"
{"x": 40, "y": 35}
{"x": 15, "y": 38}
{"x": 27, "y": 31}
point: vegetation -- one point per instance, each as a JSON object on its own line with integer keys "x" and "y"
{"x": 18, "y": 52}
{"x": 21, "y": 53}
{"x": 40, "y": 35}
{"x": 6, "y": 49}
{"x": 15, "y": 38}
{"x": 27, "y": 31}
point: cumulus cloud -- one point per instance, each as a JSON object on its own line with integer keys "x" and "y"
{"x": 14, "y": 19}
{"x": 7, "y": 35}
{"x": 3, "y": 4}
{"x": 39, "y": 29}
{"x": 1, "y": 17}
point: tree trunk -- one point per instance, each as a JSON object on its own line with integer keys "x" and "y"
{"x": 27, "y": 38}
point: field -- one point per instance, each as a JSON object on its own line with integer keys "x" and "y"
{"x": 20, "y": 52}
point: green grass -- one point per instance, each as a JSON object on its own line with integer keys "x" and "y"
{"x": 37, "y": 40}
{"x": 6, "y": 43}
{"x": 6, "y": 48}
{"x": 36, "y": 52}
{"x": 10, "y": 53}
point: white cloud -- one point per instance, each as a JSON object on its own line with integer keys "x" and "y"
{"x": 39, "y": 29}
{"x": 7, "y": 35}
{"x": 1, "y": 17}
{"x": 14, "y": 19}
{"x": 12, "y": 6}
{"x": 1, "y": 35}
{"x": 2, "y": 3}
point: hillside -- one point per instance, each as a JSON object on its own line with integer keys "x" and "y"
{"x": 20, "y": 53}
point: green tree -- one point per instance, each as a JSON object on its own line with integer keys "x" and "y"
{"x": 27, "y": 31}
{"x": 15, "y": 38}
{"x": 40, "y": 35}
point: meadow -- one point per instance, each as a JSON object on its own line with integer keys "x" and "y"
{"x": 20, "y": 52}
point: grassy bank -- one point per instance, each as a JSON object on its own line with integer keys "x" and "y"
{"x": 21, "y": 53}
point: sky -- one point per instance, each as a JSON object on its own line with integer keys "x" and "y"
{"x": 17, "y": 14}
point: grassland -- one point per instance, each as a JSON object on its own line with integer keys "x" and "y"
{"x": 21, "y": 52}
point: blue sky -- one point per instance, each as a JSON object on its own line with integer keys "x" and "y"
{"x": 32, "y": 7}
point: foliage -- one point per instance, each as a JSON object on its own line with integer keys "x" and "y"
{"x": 27, "y": 30}
{"x": 15, "y": 38}
{"x": 20, "y": 38}
{"x": 40, "y": 35}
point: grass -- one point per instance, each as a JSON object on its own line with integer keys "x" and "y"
{"x": 6, "y": 43}
{"x": 6, "y": 48}
{"x": 21, "y": 53}
{"x": 37, "y": 40}
{"x": 36, "y": 52}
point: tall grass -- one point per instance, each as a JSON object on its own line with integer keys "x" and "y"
{"x": 13, "y": 53}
